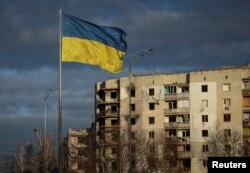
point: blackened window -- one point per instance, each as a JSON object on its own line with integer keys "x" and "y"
{"x": 113, "y": 108}
{"x": 133, "y": 164}
{"x": 113, "y": 95}
{"x": 132, "y": 94}
{"x": 151, "y": 134}
{"x": 227, "y": 132}
{"x": 172, "y": 118}
{"x": 227, "y": 117}
{"x": 204, "y": 88}
{"x": 204, "y": 118}
{"x": 151, "y": 91}
{"x": 228, "y": 148}
{"x": 205, "y": 148}
{"x": 151, "y": 106}
{"x": 114, "y": 150}
{"x": 114, "y": 122}
{"x": 204, "y": 163}
{"x": 82, "y": 153}
{"x": 81, "y": 140}
{"x": 132, "y": 107}
{"x": 114, "y": 167}
{"x": 204, "y": 133}
{"x": 114, "y": 136}
{"x": 151, "y": 120}
{"x": 133, "y": 121}
{"x": 152, "y": 149}
{"x": 133, "y": 148}
{"x": 132, "y": 135}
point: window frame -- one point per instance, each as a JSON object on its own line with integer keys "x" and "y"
{"x": 112, "y": 95}
{"x": 151, "y": 91}
{"x": 204, "y": 118}
{"x": 133, "y": 121}
{"x": 151, "y": 134}
{"x": 205, "y": 148}
{"x": 204, "y": 88}
{"x": 204, "y": 133}
{"x": 227, "y": 119}
{"x": 151, "y": 106}
{"x": 114, "y": 108}
{"x": 227, "y": 132}
{"x": 151, "y": 120}
{"x": 132, "y": 105}
{"x": 132, "y": 92}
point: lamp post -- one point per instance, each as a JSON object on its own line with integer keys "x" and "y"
{"x": 48, "y": 92}
{"x": 138, "y": 55}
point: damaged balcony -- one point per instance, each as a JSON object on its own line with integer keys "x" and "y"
{"x": 107, "y": 96}
{"x": 107, "y": 114}
{"x": 175, "y": 111}
{"x": 184, "y": 154}
{"x": 177, "y": 125}
{"x": 177, "y": 140}
{"x": 177, "y": 96}
{"x": 109, "y": 129}
{"x": 177, "y": 91}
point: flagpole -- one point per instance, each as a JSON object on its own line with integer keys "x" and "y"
{"x": 60, "y": 96}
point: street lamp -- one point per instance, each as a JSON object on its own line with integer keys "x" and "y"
{"x": 138, "y": 55}
{"x": 48, "y": 92}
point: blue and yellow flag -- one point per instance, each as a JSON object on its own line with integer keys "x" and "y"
{"x": 87, "y": 43}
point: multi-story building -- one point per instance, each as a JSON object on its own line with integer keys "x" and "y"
{"x": 76, "y": 149}
{"x": 246, "y": 114}
{"x": 177, "y": 110}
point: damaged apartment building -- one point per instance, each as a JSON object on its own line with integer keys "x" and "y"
{"x": 178, "y": 110}
{"x": 76, "y": 146}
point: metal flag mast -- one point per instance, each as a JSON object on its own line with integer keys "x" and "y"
{"x": 60, "y": 96}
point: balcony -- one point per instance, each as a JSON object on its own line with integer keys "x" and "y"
{"x": 177, "y": 96}
{"x": 109, "y": 129}
{"x": 184, "y": 154}
{"x": 177, "y": 125}
{"x": 246, "y": 109}
{"x": 111, "y": 143}
{"x": 82, "y": 158}
{"x": 107, "y": 114}
{"x": 110, "y": 101}
{"x": 79, "y": 145}
{"x": 176, "y": 111}
{"x": 177, "y": 140}
{"x": 246, "y": 92}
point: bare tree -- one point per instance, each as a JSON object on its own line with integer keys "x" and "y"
{"x": 42, "y": 163}
{"x": 225, "y": 143}
{"x": 29, "y": 156}
{"x": 7, "y": 163}
{"x": 246, "y": 147}
{"x": 148, "y": 155}
{"x": 19, "y": 161}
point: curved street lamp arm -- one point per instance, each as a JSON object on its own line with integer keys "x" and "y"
{"x": 48, "y": 92}
{"x": 139, "y": 55}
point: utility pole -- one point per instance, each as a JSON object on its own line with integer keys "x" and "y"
{"x": 138, "y": 55}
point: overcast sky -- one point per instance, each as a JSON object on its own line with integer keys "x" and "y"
{"x": 185, "y": 35}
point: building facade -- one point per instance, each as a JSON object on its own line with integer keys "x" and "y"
{"x": 172, "y": 116}
{"x": 76, "y": 151}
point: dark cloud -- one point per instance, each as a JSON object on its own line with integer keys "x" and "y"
{"x": 185, "y": 35}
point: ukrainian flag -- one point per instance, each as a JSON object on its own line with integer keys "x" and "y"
{"x": 87, "y": 43}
